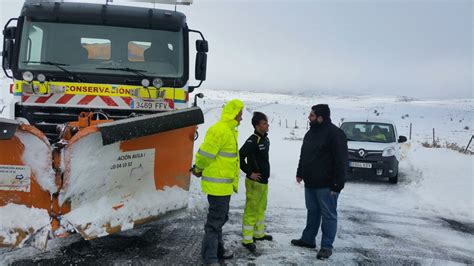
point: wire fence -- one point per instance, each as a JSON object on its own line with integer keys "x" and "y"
{"x": 431, "y": 139}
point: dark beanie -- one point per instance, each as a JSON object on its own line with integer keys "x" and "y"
{"x": 322, "y": 110}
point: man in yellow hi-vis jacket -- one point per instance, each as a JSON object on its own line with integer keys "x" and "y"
{"x": 217, "y": 163}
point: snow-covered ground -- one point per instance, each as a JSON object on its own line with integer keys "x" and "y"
{"x": 427, "y": 218}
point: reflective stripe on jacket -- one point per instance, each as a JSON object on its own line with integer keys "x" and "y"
{"x": 218, "y": 155}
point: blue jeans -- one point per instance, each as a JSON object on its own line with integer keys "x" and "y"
{"x": 321, "y": 205}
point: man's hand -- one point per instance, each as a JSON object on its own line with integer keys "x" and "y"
{"x": 195, "y": 172}
{"x": 334, "y": 193}
{"x": 299, "y": 179}
{"x": 255, "y": 176}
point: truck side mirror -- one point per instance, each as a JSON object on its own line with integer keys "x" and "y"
{"x": 202, "y": 48}
{"x": 201, "y": 66}
{"x": 402, "y": 139}
{"x": 9, "y": 33}
{"x": 7, "y": 54}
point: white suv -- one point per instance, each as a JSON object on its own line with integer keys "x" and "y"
{"x": 374, "y": 149}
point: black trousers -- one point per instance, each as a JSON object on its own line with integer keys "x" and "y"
{"x": 217, "y": 216}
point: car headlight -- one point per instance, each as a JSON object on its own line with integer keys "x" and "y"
{"x": 387, "y": 152}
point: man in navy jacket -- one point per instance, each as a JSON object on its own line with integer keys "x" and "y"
{"x": 322, "y": 166}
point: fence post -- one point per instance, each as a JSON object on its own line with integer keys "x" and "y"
{"x": 410, "y": 130}
{"x": 286, "y": 123}
{"x": 279, "y": 122}
{"x": 434, "y": 137}
{"x": 307, "y": 124}
{"x": 467, "y": 147}
{"x": 296, "y": 126}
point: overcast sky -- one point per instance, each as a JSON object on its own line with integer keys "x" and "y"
{"x": 421, "y": 49}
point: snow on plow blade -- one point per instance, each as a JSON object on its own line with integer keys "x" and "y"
{"x": 128, "y": 172}
{"x": 26, "y": 182}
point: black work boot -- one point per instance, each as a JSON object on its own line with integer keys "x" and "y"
{"x": 324, "y": 253}
{"x": 250, "y": 247}
{"x": 301, "y": 243}
{"x": 224, "y": 254}
{"x": 265, "y": 237}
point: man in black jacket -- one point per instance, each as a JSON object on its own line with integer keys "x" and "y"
{"x": 254, "y": 162}
{"x": 322, "y": 167}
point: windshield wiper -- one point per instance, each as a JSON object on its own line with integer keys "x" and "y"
{"x": 138, "y": 72}
{"x": 60, "y": 66}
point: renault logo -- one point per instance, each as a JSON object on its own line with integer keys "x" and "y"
{"x": 361, "y": 153}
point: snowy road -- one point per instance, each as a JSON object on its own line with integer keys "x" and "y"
{"x": 371, "y": 231}
{"x": 364, "y": 237}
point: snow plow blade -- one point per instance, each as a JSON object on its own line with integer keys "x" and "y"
{"x": 102, "y": 177}
{"x": 128, "y": 172}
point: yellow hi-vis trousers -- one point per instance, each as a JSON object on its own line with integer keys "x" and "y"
{"x": 254, "y": 214}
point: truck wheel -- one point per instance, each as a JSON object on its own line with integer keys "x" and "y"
{"x": 394, "y": 179}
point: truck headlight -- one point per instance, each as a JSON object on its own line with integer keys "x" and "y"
{"x": 28, "y": 76}
{"x": 145, "y": 83}
{"x": 387, "y": 152}
{"x": 157, "y": 83}
{"x": 41, "y": 77}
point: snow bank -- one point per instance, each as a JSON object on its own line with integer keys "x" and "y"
{"x": 14, "y": 217}
{"x": 446, "y": 183}
{"x": 37, "y": 155}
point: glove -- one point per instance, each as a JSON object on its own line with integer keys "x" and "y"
{"x": 196, "y": 171}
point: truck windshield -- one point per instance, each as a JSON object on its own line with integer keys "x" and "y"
{"x": 101, "y": 49}
{"x": 369, "y": 132}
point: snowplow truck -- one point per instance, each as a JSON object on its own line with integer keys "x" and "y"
{"x": 100, "y": 136}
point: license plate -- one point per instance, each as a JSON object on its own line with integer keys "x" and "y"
{"x": 149, "y": 105}
{"x": 360, "y": 165}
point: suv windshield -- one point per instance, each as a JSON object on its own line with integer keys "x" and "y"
{"x": 99, "y": 49}
{"x": 369, "y": 132}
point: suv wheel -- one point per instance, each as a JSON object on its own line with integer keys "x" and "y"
{"x": 394, "y": 179}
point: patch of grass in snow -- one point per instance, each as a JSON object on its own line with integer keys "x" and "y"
{"x": 449, "y": 145}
